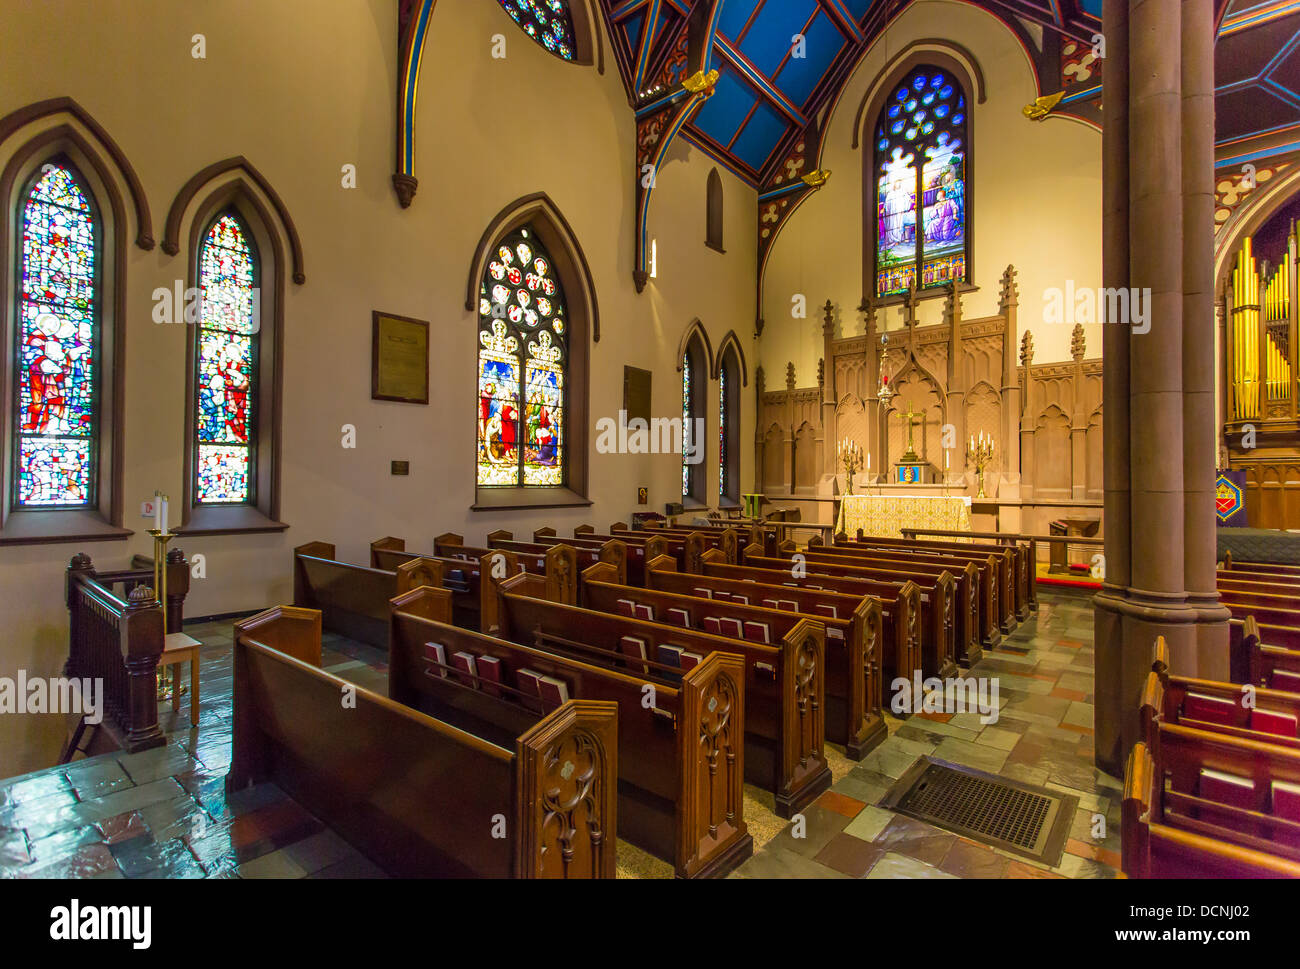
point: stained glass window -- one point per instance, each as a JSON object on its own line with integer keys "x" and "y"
{"x": 921, "y": 152}
{"x": 56, "y": 433}
{"x": 523, "y": 343}
{"x": 546, "y": 21}
{"x": 226, "y": 362}
{"x": 722, "y": 432}
{"x": 688, "y": 379}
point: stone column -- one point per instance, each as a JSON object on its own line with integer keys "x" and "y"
{"x": 830, "y": 395}
{"x": 1157, "y": 69}
{"x": 1200, "y": 424}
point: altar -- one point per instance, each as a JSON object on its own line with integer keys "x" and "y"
{"x": 885, "y": 516}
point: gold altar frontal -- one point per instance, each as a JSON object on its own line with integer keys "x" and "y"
{"x": 885, "y": 516}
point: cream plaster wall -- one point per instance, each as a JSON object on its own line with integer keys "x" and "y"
{"x": 302, "y": 88}
{"x": 1037, "y": 204}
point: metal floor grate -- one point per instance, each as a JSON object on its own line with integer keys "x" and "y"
{"x": 1016, "y": 817}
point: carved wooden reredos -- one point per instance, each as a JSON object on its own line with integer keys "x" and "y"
{"x": 971, "y": 373}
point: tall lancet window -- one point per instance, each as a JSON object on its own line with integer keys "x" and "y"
{"x": 56, "y": 433}
{"x": 921, "y": 158}
{"x": 225, "y": 435}
{"x": 695, "y": 376}
{"x": 523, "y": 345}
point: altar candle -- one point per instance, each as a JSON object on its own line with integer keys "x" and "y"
{"x": 162, "y": 514}
{"x": 157, "y": 511}
{"x": 945, "y": 460}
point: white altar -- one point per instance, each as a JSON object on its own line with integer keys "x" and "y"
{"x": 885, "y": 516}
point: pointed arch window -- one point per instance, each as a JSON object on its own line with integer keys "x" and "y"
{"x": 523, "y": 338}
{"x": 713, "y": 212}
{"x": 548, "y": 22}
{"x": 57, "y": 353}
{"x": 728, "y": 429}
{"x": 694, "y": 389}
{"x": 226, "y": 365}
{"x": 921, "y": 178}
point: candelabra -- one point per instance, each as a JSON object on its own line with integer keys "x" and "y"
{"x": 850, "y": 455}
{"x": 980, "y": 452}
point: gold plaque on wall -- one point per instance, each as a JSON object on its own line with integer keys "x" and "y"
{"x": 399, "y": 359}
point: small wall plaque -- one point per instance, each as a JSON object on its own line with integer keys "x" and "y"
{"x": 642, "y": 496}
{"x": 401, "y": 467}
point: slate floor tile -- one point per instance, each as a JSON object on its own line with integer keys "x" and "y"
{"x": 894, "y": 865}
{"x": 849, "y": 855}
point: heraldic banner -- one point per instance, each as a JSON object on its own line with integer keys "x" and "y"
{"x": 1230, "y": 499}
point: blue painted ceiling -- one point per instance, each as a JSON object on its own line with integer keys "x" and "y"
{"x": 765, "y": 96}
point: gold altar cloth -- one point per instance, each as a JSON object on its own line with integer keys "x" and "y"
{"x": 884, "y": 516}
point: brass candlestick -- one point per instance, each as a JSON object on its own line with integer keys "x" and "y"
{"x": 166, "y": 676}
{"x": 850, "y": 455}
{"x": 980, "y": 452}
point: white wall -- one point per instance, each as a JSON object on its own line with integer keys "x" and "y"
{"x": 301, "y": 92}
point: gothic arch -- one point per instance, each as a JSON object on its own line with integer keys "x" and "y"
{"x": 562, "y": 243}
{"x": 235, "y": 184}
{"x": 945, "y": 54}
{"x": 732, "y": 342}
{"x": 695, "y": 329}
{"x": 53, "y": 128}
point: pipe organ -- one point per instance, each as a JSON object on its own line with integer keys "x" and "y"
{"x": 1261, "y": 400}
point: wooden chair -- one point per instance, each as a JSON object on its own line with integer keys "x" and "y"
{"x": 182, "y": 648}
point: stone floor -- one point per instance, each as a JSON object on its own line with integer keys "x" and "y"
{"x": 164, "y": 813}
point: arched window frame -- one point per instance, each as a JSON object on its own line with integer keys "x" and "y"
{"x": 570, "y": 266}
{"x": 61, "y": 128}
{"x": 713, "y": 212}
{"x": 968, "y": 78}
{"x": 234, "y": 185}
{"x": 695, "y": 364}
{"x": 732, "y": 376}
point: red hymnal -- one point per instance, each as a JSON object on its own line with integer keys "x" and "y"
{"x": 438, "y": 654}
{"x": 626, "y": 607}
{"x": 1274, "y": 722}
{"x": 1227, "y": 788}
{"x": 711, "y": 625}
{"x": 489, "y": 674}
{"x": 690, "y": 660}
{"x": 554, "y": 692}
{"x": 679, "y": 617}
{"x": 464, "y": 662}
{"x": 730, "y": 627}
{"x": 1286, "y": 800}
{"x": 828, "y": 611}
{"x": 1211, "y": 709}
{"x": 645, "y": 612}
{"x": 758, "y": 632}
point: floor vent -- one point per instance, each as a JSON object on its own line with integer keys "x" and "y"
{"x": 1027, "y": 820}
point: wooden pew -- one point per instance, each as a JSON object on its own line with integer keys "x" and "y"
{"x": 902, "y": 618}
{"x": 854, "y": 692}
{"x": 1019, "y": 576}
{"x": 353, "y": 599}
{"x": 614, "y": 552}
{"x": 687, "y": 549}
{"x": 938, "y": 602}
{"x": 680, "y": 760}
{"x": 1152, "y": 849}
{"x": 1008, "y": 595}
{"x": 784, "y": 684}
{"x": 418, "y": 797}
{"x": 637, "y": 553}
{"x": 727, "y": 538}
{"x": 1218, "y": 707}
{"x": 460, "y": 577}
{"x": 977, "y": 596}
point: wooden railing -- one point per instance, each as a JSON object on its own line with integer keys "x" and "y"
{"x": 115, "y": 638}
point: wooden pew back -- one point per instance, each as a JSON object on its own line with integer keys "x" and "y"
{"x": 415, "y": 795}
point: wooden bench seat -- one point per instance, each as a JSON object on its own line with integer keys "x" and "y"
{"x": 680, "y": 761}
{"x": 938, "y": 602}
{"x": 353, "y": 599}
{"x": 902, "y": 616}
{"x": 854, "y": 642}
{"x": 418, "y": 797}
{"x": 977, "y": 596}
{"x": 784, "y": 683}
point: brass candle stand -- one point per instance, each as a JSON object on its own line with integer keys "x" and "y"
{"x": 980, "y": 452}
{"x": 166, "y": 675}
{"x": 850, "y": 455}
